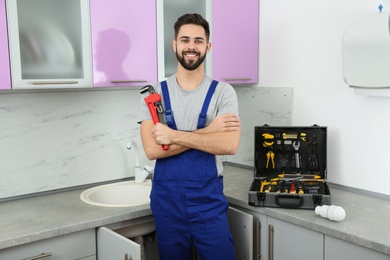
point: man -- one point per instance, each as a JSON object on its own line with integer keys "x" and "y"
{"x": 187, "y": 197}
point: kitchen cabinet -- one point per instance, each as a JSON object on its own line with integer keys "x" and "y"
{"x": 113, "y": 240}
{"x": 235, "y": 39}
{"x": 79, "y": 245}
{"x": 123, "y": 35}
{"x": 241, "y": 228}
{"x": 275, "y": 239}
{"x": 167, "y": 13}
{"x": 5, "y": 76}
{"x": 50, "y": 44}
{"x": 289, "y": 241}
{"x": 339, "y": 249}
{"x": 234, "y": 29}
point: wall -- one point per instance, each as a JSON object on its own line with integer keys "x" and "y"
{"x": 55, "y": 140}
{"x": 300, "y": 47}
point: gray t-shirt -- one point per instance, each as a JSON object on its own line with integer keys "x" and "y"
{"x": 186, "y": 105}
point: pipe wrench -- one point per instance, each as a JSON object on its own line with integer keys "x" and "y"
{"x": 153, "y": 101}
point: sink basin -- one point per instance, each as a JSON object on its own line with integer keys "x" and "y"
{"x": 121, "y": 194}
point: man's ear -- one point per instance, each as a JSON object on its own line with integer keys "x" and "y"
{"x": 208, "y": 47}
{"x": 174, "y": 45}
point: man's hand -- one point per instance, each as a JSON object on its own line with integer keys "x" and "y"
{"x": 222, "y": 123}
{"x": 162, "y": 134}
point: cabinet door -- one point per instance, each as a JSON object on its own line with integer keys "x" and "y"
{"x": 288, "y": 241}
{"x": 5, "y": 77}
{"x": 235, "y": 39}
{"x": 49, "y": 43}
{"x": 124, "y": 42}
{"x": 111, "y": 245}
{"x": 167, "y": 13}
{"x": 80, "y": 245}
{"x": 241, "y": 227}
{"x": 339, "y": 249}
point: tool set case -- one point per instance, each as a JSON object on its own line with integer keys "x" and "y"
{"x": 289, "y": 167}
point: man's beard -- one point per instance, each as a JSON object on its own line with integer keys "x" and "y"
{"x": 192, "y": 64}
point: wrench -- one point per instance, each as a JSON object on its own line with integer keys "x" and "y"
{"x": 296, "y": 144}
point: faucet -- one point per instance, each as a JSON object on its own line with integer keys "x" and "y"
{"x": 140, "y": 174}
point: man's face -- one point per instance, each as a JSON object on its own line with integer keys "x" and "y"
{"x": 191, "y": 46}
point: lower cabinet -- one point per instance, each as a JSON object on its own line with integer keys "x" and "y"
{"x": 289, "y": 241}
{"x": 339, "y": 249}
{"x": 76, "y": 246}
{"x": 127, "y": 240}
{"x": 274, "y": 239}
{"x": 241, "y": 227}
{"x": 278, "y": 240}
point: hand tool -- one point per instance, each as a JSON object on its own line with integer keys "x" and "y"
{"x": 292, "y": 188}
{"x": 268, "y": 139}
{"x": 283, "y": 175}
{"x": 270, "y": 155}
{"x": 296, "y": 145}
{"x": 153, "y": 101}
{"x": 266, "y": 182}
{"x": 290, "y": 135}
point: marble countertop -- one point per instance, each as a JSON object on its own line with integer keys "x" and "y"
{"x": 367, "y": 221}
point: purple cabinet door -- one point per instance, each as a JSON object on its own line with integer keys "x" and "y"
{"x": 235, "y": 41}
{"x": 5, "y": 76}
{"x": 124, "y": 44}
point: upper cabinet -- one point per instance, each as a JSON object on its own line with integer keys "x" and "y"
{"x": 5, "y": 76}
{"x": 235, "y": 39}
{"x": 167, "y": 13}
{"x": 49, "y": 43}
{"x": 123, "y": 42}
{"x": 234, "y": 36}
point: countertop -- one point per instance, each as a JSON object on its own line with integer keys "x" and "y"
{"x": 367, "y": 221}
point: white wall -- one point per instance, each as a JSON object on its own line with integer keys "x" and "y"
{"x": 300, "y": 47}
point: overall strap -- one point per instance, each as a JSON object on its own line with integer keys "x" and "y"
{"x": 206, "y": 103}
{"x": 167, "y": 102}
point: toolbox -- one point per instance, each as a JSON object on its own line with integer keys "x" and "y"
{"x": 289, "y": 167}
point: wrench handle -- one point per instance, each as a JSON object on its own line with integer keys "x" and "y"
{"x": 297, "y": 160}
{"x": 151, "y": 101}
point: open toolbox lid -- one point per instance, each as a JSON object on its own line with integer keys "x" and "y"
{"x": 290, "y": 150}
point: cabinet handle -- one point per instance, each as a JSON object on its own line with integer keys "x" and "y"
{"x": 238, "y": 79}
{"x": 271, "y": 242}
{"x": 43, "y": 255}
{"x": 258, "y": 238}
{"x": 54, "y": 82}
{"x": 127, "y": 257}
{"x": 128, "y": 81}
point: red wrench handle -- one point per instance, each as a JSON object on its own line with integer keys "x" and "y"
{"x": 150, "y": 102}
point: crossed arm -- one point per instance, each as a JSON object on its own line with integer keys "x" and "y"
{"x": 220, "y": 137}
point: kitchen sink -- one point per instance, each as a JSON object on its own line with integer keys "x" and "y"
{"x": 120, "y": 194}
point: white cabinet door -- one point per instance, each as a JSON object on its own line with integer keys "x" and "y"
{"x": 339, "y": 249}
{"x": 289, "y": 241}
{"x": 79, "y": 245}
{"x": 50, "y": 44}
{"x": 241, "y": 227}
{"x": 112, "y": 246}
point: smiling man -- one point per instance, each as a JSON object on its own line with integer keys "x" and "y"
{"x": 201, "y": 115}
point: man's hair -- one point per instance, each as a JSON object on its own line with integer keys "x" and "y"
{"x": 196, "y": 19}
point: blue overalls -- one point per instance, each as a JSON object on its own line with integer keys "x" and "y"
{"x": 187, "y": 200}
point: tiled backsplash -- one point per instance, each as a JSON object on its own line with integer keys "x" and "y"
{"x": 56, "y": 140}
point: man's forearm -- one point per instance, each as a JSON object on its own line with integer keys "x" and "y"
{"x": 218, "y": 143}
